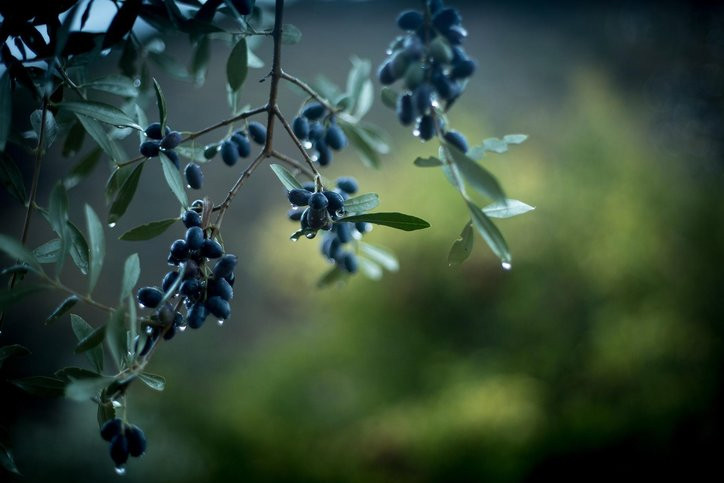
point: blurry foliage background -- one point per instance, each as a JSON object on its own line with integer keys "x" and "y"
{"x": 599, "y": 355}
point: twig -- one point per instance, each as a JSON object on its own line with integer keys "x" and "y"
{"x": 293, "y": 163}
{"x": 298, "y": 143}
{"x": 307, "y": 88}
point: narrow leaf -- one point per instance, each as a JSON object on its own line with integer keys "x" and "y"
{"x": 78, "y": 248}
{"x": 380, "y": 255}
{"x": 174, "y": 180}
{"x": 85, "y": 389}
{"x": 114, "y": 84}
{"x": 15, "y": 250}
{"x": 100, "y": 112}
{"x": 131, "y": 273}
{"x": 462, "y": 247}
{"x": 515, "y": 138}
{"x": 116, "y": 337}
{"x": 10, "y": 296}
{"x": 58, "y": 217}
{"x": 6, "y": 109}
{"x": 12, "y": 179}
{"x": 50, "y": 131}
{"x": 74, "y": 139}
{"x": 290, "y": 34}
{"x": 69, "y": 373}
{"x": 237, "y": 65}
{"x": 362, "y": 203}
{"x": 7, "y": 461}
{"x": 399, "y": 221}
{"x": 89, "y": 340}
{"x": 81, "y": 170}
{"x": 101, "y": 137}
{"x": 14, "y": 350}
{"x": 286, "y": 178}
{"x": 389, "y": 97}
{"x": 97, "y": 245}
{"x": 429, "y": 162}
{"x": 48, "y": 251}
{"x": 62, "y": 309}
{"x": 154, "y": 381}
{"x": 148, "y": 231}
{"x": 161, "y": 103}
{"x": 508, "y": 209}
{"x": 478, "y": 177}
{"x": 125, "y": 195}
{"x": 490, "y": 233}
{"x": 41, "y": 386}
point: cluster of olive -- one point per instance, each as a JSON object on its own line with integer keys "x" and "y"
{"x": 433, "y": 67}
{"x": 125, "y": 439}
{"x": 235, "y": 147}
{"x": 202, "y": 291}
{"x": 317, "y": 127}
{"x": 160, "y": 142}
{"x": 324, "y": 210}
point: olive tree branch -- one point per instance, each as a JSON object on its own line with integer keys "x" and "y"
{"x": 293, "y": 163}
{"x": 308, "y": 89}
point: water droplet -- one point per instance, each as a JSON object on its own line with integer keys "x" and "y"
{"x": 188, "y": 186}
{"x": 506, "y": 265}
{"x": 105, "y": 52}
{"x": 310, "y": 235}
{"x": 116, "y": 404}
{"x": 111, "y": 225}
{"x": 137, "y": 82}
{"x": 149, "y": 330}
{"x": 294, "y": 207}
{"x": 435, "y": 104}
{"x": 141, "y": 306}
{"x": 416, "y": 132}
{"x": 120, "y": 470}
{"x": 294, "y": 239}
{"x": 182, "y": 328}
{"x": 388, "y": 51}
{"x": 307, "y": 144}
{"x": 220, "y": 322}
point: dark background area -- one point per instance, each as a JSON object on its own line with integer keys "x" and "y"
{"x": 597, "y": 356}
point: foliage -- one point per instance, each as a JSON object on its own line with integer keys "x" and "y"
{"x": 72, "y": 107}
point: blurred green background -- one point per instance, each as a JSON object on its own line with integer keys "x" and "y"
{"x": 597, "y": 356}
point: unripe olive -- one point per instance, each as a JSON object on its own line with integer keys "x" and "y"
{"x": 423, "y": 98}
{"x": 349, "y": 262}
{"x": 385, "y": 74}
{"x": 440, "y": 50}
{"x": 210, "y": 151}
{"x": 190, "y": 288}
{"x": 344, "y": 231}
{"x": 173, "y": 157}
{"x": 316, "y": 131}
{"x": 330, "y": 247}
{"x": 194, "y": 175}
{"x": 294, "y": 214}
{"x": 456, "y": 34}
{"x": 398, "y": 64}
{"x": 415, "y": 75}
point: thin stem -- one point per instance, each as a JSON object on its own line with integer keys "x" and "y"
{"x": 293, "y": 163}
{"x": 296, "y": 140}
{"x": 194, "y": 135}
{"x": 85, "y": 298}
{"x": 308, "y": 89}
{"x": 68, "y": 81}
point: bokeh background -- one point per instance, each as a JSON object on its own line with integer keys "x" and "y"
{"x": 598, "y": 356}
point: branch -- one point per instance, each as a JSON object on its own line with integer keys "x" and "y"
{"x": 293, "y": 163}
{"x": 298, "y": 143}
{"x": 194, "y": 135}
